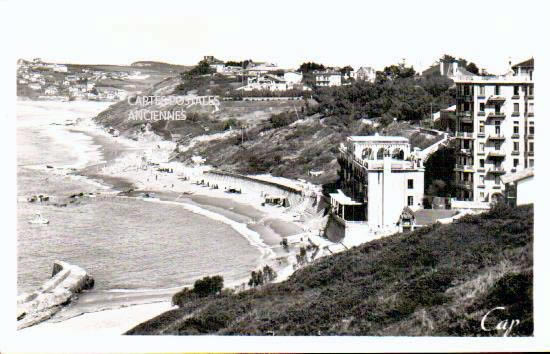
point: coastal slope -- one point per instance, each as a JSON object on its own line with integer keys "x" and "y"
{"x": 436, "y": 281}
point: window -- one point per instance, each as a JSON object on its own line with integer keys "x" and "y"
{"x": 481, "y": 106}
{"x": 497, "y": 179}
{"x": 466, "y": 106}
{"x": 531, "y": 108}
{"x": 482, "y": 163}
{"x": 532, "y": 130}
{"x": 516, "y": 107}
{"x": 516, "y": 162}
{"x": 481, "y": 90}
{"x": 516, "y": 90}
{"x": 497, "y": 90}
{"x": 481, "y": 147}
{"x": 481, "y": 195}
{"x": 516, "y": 129}
{"x": 531, "y": 90}
{"x": 410, "y": 184}
{"x": 531, "y": 163}
{"x": 481, "y": 127}
{"x": 516, "y": 146}
{"x": 531, "y": 147}
{"x": 410, "y": 200}
{"x": 481, "y": 179}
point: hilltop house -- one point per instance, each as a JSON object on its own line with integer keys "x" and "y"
{"x": 214, "y": 63}
{"x": 265, "y": 82}
{"x": 328, "y": 78}
{"x": 365, "y": 74}
{"x": 260, "y": 68}
{"x": 292, "y": 77}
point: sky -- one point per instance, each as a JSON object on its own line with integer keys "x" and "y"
{"x": 336, "y": 33}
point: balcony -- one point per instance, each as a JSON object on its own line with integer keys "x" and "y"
{"x": 496, "y": 170}
{"x": 497, "y": 154}
{"x": 481, "y": 113}
{"x": 496, "y": 98}
{"x": 531, "y": 153}
{"x": 465, "y": 185}
{"x": 465, "y": 135}
{"x": 496, "y": 115}
{"x": 496, "y": 137}
{"x": 464, "y": 168}
{"x": 530, "y": 136}
{"x": 515, "y": 136}
{"x": 515, "y": 97}
{"x": 465, "y": 97}
{"x": 515, "y": 152}
{"x": 515, "y": 114}
{"x": 467, "y": 152}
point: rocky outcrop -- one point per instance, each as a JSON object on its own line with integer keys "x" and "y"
{"x": 67, "y": 280}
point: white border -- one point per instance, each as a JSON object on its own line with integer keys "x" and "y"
{"x": 529, "y": 22}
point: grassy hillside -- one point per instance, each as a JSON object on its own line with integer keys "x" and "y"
{"x": 437, "y": 281}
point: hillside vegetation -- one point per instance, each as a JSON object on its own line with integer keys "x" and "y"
{"x": 437, "y": 281}
{"x": 290, "y": 138}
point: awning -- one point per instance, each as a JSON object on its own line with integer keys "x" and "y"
{"x": 343, "y": 199}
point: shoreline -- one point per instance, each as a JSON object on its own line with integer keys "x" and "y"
{"x": 263, "y": 227}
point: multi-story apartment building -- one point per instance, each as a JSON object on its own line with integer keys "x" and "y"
{"x": 495, "y": 131}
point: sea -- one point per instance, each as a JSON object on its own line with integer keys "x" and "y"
{"x": 124, "y": 243}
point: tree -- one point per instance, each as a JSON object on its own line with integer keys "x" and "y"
{"x": 208, "y": 286}
{"x": 310, "y": 66}
{"x": 202, "y": 68}
{"x": 394, "y": 72}
{"x": 472, "y": 67}
{"x": 346, "y": 70}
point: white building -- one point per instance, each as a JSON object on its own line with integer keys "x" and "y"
{"x": 328, "y": 79}
{"x": 265, "y": 82}
{"x": 261, "y": 68}
{"x": 365, "y": 74}
{"x": 520, "y": 187}
{"x": 381, "y": 179}
{"x": 292, "y": 77}
{"x": 496, "y": 131}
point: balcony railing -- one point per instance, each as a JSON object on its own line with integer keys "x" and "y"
{"x": 466, "y": 135}
{"x": 496, "y": 137}
{"x": 496, "y": 98}
{"x": 466, "y": 168}
{"x": 468, "y": 152}
{"x": 496, "y": 115}
{"x": 465, "y": 185}
{"x": 496, "y": 170}
{"x": 497, "y": 153}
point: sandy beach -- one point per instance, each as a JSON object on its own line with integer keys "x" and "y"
{"x": 132, "y": 166}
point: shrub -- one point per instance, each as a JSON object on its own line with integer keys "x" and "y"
{"x": 208, "y": 286}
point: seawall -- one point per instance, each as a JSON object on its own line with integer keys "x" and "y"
{"x": 67, "y": 280}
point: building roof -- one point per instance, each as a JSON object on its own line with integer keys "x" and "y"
{"x": 518, "y": 176}
{"x": 373, "y": 138}
{"x": 527, "y": 63}
{"x": 430, "y": 216}
{"x": 343, "y": 199}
